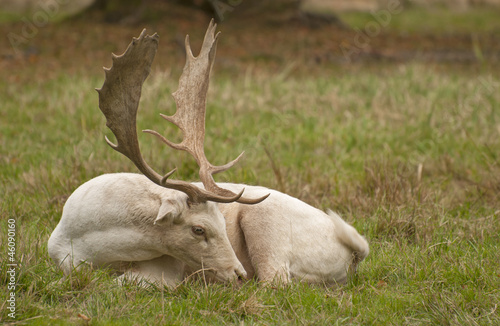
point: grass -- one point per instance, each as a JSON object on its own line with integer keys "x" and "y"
{"x": 407, "y": 153}
{"x": 406, "y": 18}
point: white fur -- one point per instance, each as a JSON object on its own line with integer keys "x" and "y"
{"x": 111, "y": 218}
{"x": 119, "y": 218}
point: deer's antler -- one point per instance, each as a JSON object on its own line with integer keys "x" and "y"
{"x": 190, "y": 99}
{"x": 119, "y": 101}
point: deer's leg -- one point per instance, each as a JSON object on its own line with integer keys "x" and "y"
{"x": 164, "y": 270}
{"x": 268, "y": 248}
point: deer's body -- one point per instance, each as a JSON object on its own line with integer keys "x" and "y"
{"x": 110, "y": 221}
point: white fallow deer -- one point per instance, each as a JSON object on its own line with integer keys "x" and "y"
{"x": 132, "y": 222}
{"x": 281, "y": 238}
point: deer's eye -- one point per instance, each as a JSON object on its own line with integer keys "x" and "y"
{"x": 198, "y": 230}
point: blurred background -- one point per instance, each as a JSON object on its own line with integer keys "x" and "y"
{"x": 44, "y": 37}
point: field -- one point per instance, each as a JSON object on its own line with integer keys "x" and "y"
{"x": 402, "y": 139}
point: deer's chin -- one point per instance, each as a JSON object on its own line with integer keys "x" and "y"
{"x": 230, "y": 276}
{"x": 212, "y": 275}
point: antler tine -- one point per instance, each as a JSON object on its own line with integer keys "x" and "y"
{"x": 190, "y": 98}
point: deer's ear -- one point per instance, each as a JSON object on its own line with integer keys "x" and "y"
{"x": 168, "y": 213}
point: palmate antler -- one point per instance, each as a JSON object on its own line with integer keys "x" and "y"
{"x": 119, "y": 101}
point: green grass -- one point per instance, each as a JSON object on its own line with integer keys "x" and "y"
{"x": 352, "y": 143}
{"x": 411, "y": 19}
{"x": 408, "y": 153}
